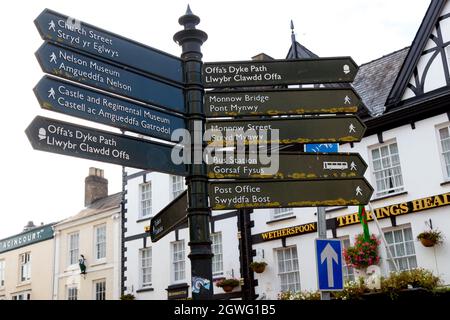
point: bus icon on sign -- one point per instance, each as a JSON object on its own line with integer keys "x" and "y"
{"x": 335, "y": 165}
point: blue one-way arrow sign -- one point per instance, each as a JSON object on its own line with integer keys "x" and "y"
{"x": 329, "y": 264}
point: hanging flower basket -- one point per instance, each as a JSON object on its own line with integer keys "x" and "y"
{"x": 430, "y": 238}
{"x": 227, "y": 284}
{"x": 363, "y": 253}
{"x": 258, "y": 266}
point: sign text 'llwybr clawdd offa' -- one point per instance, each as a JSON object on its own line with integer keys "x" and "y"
{"x": 288, "y": 193}
{"x": 290, "y": 166}
{"x": 67, "y": 31}
{"x": 281, "y": 102}
{"x": 77, "y": 67}
{"x": 69, "y": 98}
{"x": 169, "y": 218}
{"x": 65, "y": 138}
{"x": 292, "y": 130}
{"x": 26, "y": 238}
{"x": 394, "y": 210}
{"x": 278, "y": 72}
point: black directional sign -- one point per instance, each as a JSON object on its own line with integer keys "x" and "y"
{"x": 291, "y": 130}
{"x": 68, "y": 64}
{"x": 292, "y": 193}
{"x": 68, "y": 31}
{"x": 64, "y": 138}
{"x": 278, "y": 72}
{"x": 280, "y": 102}
{"x": 69, "y": 98}
{"x": 287, "y": 166}
{"x": 169, "y": 218}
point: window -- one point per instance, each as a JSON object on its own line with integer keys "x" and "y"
{"x": 100, "y": 242}
{"x": 386, "y": 169}
{"x": 177, "y": 185}
{"x": 178, "y": 263}
{"x": 25, "y": 266}
{"x": 347, "y": 271}
{"x": 72, "y": 293}
{"x": 279, "y": 213}
{"x": 288, "y": 271}
{"x": 146, "y": 267}
{"x": 2, "y": 273}
{"x": 217, "y": 259}
{"x": 444, "y": 137}
{"x": 100, "y": 289}
{"x": 74, "y": 239}
{"x": 146, "y": 200}
{"x": 401, "y": 245}
{"x": 22, "y": 296}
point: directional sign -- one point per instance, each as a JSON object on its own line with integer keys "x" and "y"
{"x": 69, "y": 98}
{"x": 77, "y": 67}
{"x": 329, "y": 264}
{"x": 278, "y": 72}
{"x": 287, "y": 166}
{"x": 169, "y": 218}
{"x": 60, "y": 137}
{"x": 280, "y": 102}
{"x": 68, "y": 31}
{"x": 291, "y": 130}
{"x": 288, "y": 193}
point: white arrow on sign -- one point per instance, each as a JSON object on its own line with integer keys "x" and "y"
{"x": 329, "y": 254}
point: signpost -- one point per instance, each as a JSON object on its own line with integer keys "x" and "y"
{"x": 280, "y": 102}
{"x": 166, "y": 220}
{"x": 278, "y": 72}
{"x": 67, "y": 31}
{"x": 291, "y": 130}
{"x": 64, "y": 138}
{"x": 290, "y": 166}
{"x": 77, "y": 67}
{"x": 329, "y": 264}
{"x": 74, "y": 100}
{"x": 226, "y": 195}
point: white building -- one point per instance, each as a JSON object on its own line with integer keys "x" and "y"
{"x": 406, "y": 147}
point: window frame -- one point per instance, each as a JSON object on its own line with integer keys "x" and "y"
{"x": 445, "y": 170}
{"x": 2, "y": 272}
{"x": 143, "y": 207}
{"x": 293, "y": 271}
{"x": 95, "y": 287}
{"x": 394, "y": 254}
{"x": 390, "y": 191}
{"x": 281, "y": 213}
{"x": 70, "y": 249}
{"x": 179, "y": 182}
{"x": 217, "y": 256}
{"x": 96, "y": 242}
{"x": 27, "y": 266}
{"x": 174, "y": 262}
{"x": 348, "y": 272}
{"x": 69, "y": 288}
{"x": 143, "y": 284}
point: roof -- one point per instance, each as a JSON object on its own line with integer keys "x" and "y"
{"x": 101, "y": 205}
{"x": 417, "y": 47}
{"x": 374, "y": 80}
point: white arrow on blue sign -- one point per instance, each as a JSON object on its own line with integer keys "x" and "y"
{"x": 329, "y": 264}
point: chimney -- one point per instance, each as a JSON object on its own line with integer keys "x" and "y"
{"x": 95, "y": 186}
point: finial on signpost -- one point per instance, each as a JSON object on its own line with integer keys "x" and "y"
{"x": 189, "y": 21}
{"x": 188, "y": 10}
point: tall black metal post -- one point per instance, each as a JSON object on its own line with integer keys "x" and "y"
{"x": 199, "y": 213}
{"x": 246, "y": 253}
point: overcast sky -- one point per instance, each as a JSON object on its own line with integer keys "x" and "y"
{"x": 45, "y": 187}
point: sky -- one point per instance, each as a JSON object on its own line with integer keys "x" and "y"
{"x": 44, "y": 187}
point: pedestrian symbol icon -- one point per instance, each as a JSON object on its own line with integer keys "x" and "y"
{"x": 351, "y": 128}
{"x": 358, "y": 191}
{"x": 51, "y": 26}
{"x": 53, "y": 58}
